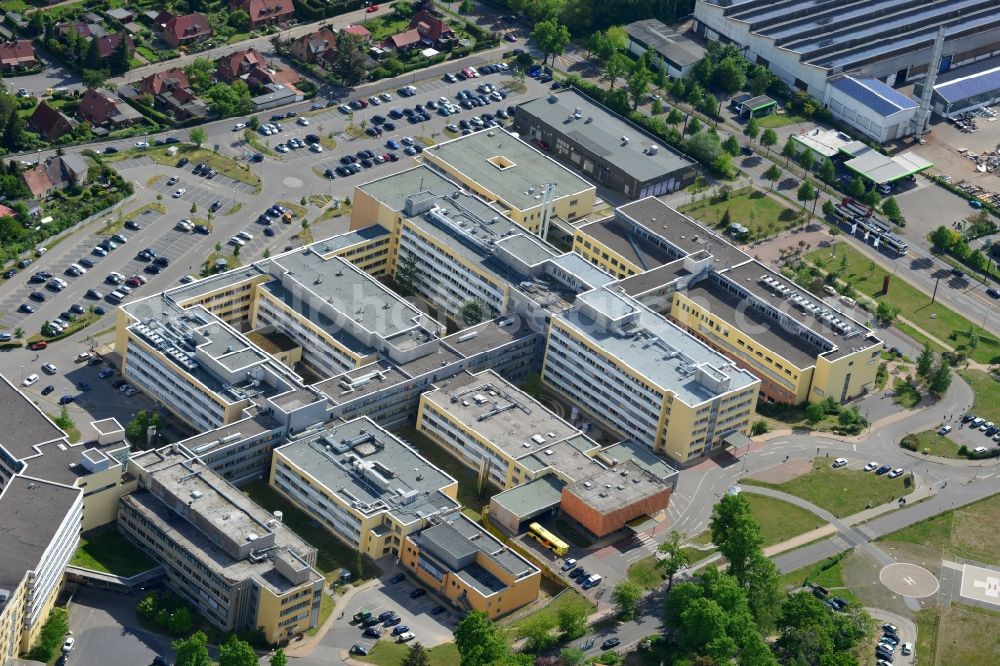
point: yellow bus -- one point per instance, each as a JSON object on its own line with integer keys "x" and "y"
{"x": 548, "y": 539}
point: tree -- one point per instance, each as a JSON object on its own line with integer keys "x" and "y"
{"x": 571, "y": 656}
{"x": 572, "y": 618}
{"x": 537, "y": 630}
{"x": 827, "y": 171}
{"x": 807, "y": 160}
{"x": 232, "y": 99}
{"x": 886, "y": 313}
{"x": 675, "y": 117}
{"x": 789, "y": 150}
{"x": 805, "y": 193}
{"x": 615, "y": 66}
{"x": 551, "y": 37}
{"x": 200, "y": 74}
{"x": 736, "y": 532}
{"x": 179, "y": 621}
{"x": 94, "y": 78}
{"x": 731, "y": 145}
{"x": 815, "y": 412}
{"x": 871, "y": 198}
{"x": 891, "y": 209}
{"x": 137, "y": 428}
{"x": 279, "y": 659}
{"x": 407, "y": 275}
{"x": 925, "y": 362}
{"x": 465, "y": 8}
{"x": 349, "y": 61}
{"x": 829, "y": 210}
{"x": 674, "y": 558}
{"x": 239, "y": 20}
{"x": 416, "y": 655}
{"x": 856, "y": 188}
{"x": 627, "y": 596}
{"x": 638, "y": 84}
{"x": 752, "y": 129}
{"x": 121, "y": 60}
{"x": 473, "y": 312}
{"x": 479, "y": 642}
{"x": 694, "y": 126}
{"x": 773, "y": 174}
{"x": 235, "y": 652}
{"x": 768, "y": 138}
{"x": 18, "y": 332}
{"x": 93, "y": 58}
{"x": 198, "y": 136}
{"x": 357, "y": 568}
{"x": 192, "y": 651}
{"x": 730, "y": 75}
{"x": 617, "y": 38}
{"x": 941, "y": 379}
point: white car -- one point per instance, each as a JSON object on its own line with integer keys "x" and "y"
{"x": 142, "y": 144}
{"x": 179, "y": 193}
{"x": 374, "y": 101}
{"x": 281, "y": 148}
{"x": 406, "y": 636}
{"x": 68, "y": 645}
{"x": 29, "y": 380}
{"x": 173, "y": 180}
{"x": 944, "y": 430}
{"x": 907, "y": 648}
{"x": 245, "y": 235}
{"x": 839, "y": 462}
{"x": 303, "y": 121}
{"x": 187, "y": 279}
{"x": 871, "y": 467}
{"x": 49, "y": 368}
{"x": 83, "y": 356}
{"x": 238, "y": 126}
{"x": 129, "y": 391}
{"x": 236, "y": 240}
{"x": 407, "y": 141}
{"x": 386, "y": 97}
{"x": 896, "y": 472}
{"x": 316, "y": 148}
{"x": 980, "y": 450}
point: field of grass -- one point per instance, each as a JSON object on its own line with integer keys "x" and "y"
{"x": 905, "y": 395}
{"x": 866, "y": 276}
{"x": 571, "y": 596}
{"x": 928, "y": 622}
{"x": 390, "y": 653}
{"x": 780, "y": 521}
{"x": 112, "y": 553}
{"x": 332, "y": 552}
{"x": 963, "y": 637}
{"x": 325, "y": 608}
{"x": 776, "y": 120}
{"x": 750, "y": 207}
{"x": 646, "y": 573}
{"x": 968, "y": 532}
{"x": 827, "y": 573}
{"x": 936, "y": 445}
{"x": 441, "y": 458}
{"x": 843, "y": 491}
{"x": 987, "y": 390}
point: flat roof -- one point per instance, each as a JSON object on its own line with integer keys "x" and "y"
{"x": 348, "y": 239}
{"x": 522, "y": 170}
{"x": 640, "y": 283}
{"x": 372, "y": 470}
{"x": 24, "y": 425}
{"x": 672, "y": 45}
{"x": 500, "y": 413}
{"x": 757, "y": 103}
{"x": 33, "y": 511}
{"x": 488, "y": 335}
{"x": 646, "y": 355}
{"x": 639, "y": 251}
{"x": 881, "y": 168}
{"x": 829, "y": 142}
{"x": 360, "y": 382}
{"x": 681, "y": 232}
{"x": 231, "y": 434}
{"x": 642, "y": 456}
{"x": 600, "y": 130}
{"x": 393, "y": 189}
{"x": 969, "y": 81}
{"x": 532, "y": 498}
{"x": 616, "y": 487}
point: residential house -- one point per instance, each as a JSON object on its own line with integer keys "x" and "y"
{"x": 158, "y": 19}
{"x": 260, "y": 77}
{"x": 404, "y": 41}
{"x": 6, "y": 212}
{"x": 121, "y": 15}
{"x": 433, "y": 31}
{"x": 82, "y": 28}
{"x": 184, "y": 30}
{"x": 266, "y": 12}
{"x": 50, "y": 123}
{"x": 17, "y": 55}
{"x": 103, "y": 111}
{"x": 236, "y": 65}
{"x": 55, "y": 174}
{"x": 171, "y": 92}
{"x": 359, "y": 31}
{"x": 311, "y": 47}
{"x": 107, "y": 44}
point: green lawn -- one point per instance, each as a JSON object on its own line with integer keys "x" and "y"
{"x": 936, "y": 445}
{"x": 775, "y": 120}
{"x": 443, "y": 459}
{"x": 928, "y": 622}
{"x": 325, "y": 608}
{"x": 332, "y": 552}
{"x": 964, "y": 637}
{"x": 906, "y": 395}
{"x": 968, "y": 532}
{"x": 866, "y": 276}
{"x": 987, "y": 390}
{"x": 780, "y": 521}
{"x": 646, "y": 573}
{"x": 570, "y": 596}
{"x": 752, "y": 208}
{"x": 390, "y": 653}
{"x": 843, "y": 491}
{"x": 112, "y": 553}
{"x": 826, "y": 573}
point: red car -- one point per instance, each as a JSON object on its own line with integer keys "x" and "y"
{"x": 36, "y": 346}
{"x": 372, "y": 9}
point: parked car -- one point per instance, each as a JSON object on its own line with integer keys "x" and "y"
{"x": 895, "y": 473}
{"x": 884, "y": 469}
{"x": 944, "y": 430}
{"x": 417, "y": 593}
{"x": 612, "y": 642}
{"x": 569, "y": 564}
{"x": 840, "y": 462}
{"x": 29, "y": 380}
{"x": 872, "y": 466}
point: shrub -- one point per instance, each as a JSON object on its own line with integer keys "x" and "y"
{"x": 909, "y": 443}
{"x": 52, "y": 636}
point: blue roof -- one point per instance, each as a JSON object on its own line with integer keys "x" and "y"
{"x": 875, "y": 95}
{"x": 970, "y": 86}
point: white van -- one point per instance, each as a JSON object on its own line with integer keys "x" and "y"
{"x": 184, "y": 225}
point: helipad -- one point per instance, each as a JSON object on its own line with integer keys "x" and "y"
{"x": 981, "y": 584}
{"x": 908, "y": 580}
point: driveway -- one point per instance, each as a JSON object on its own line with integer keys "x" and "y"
{"x": 108, "y": 633}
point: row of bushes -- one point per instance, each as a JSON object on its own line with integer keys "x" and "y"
{"x": 51, "y": 638}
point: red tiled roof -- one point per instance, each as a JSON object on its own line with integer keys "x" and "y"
{"x": 189, "y": 26}
{"x": 107, "y": 45}
{"x": 430, "y": 26}
{"x": 17, "y": 53}
{"x": 6, "y": 212}
{"x": 232, "y": 66}
{"x": 174, "y": 77}
{"x": 49, "y": 122}
{"x": 358, "y": 31}
{"x": 265, "y": 10}
{"x": 405, "y": 39}
{"x": 37, "y": 180}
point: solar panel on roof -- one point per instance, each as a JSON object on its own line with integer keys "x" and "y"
{"x": 971, "y": 86}
{"x": 875, "y": 95}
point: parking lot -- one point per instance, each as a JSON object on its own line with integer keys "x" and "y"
{"x": 975, "y": 436}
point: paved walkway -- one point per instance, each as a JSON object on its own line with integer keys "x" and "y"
{"x": 305, "y": 647}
